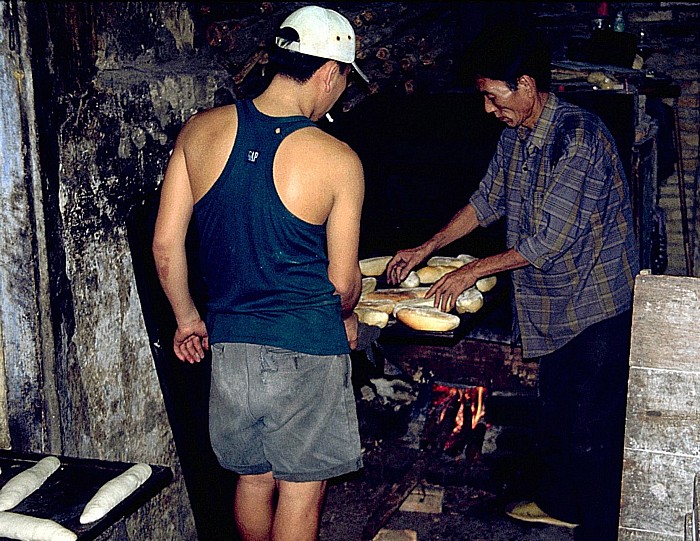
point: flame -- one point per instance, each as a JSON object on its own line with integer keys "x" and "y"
{"x": 468, "y": 401}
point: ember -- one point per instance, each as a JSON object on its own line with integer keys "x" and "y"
{"x": 453, "y": 416}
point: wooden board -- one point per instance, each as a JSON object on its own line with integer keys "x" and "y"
{"x": 64, "y": 494}
{"x": 496, "y": 299}
{"x": 662, "y": 434}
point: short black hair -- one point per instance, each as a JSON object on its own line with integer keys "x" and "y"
{"x": 292, "y": 64}
{"x": 506, "y": 52}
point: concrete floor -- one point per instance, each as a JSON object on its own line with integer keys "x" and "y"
{"x": 494, "y": 469}
{"x": 471, "y": 510}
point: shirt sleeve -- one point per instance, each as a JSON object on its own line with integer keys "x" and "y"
{"x": 565, "y": 208}
{"x": 489, "y": 200}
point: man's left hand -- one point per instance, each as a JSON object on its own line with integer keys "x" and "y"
{"x": 449, "y": 287}
{"x": 190, "y": 341}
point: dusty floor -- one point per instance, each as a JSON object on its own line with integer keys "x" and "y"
{"x": 493, "y": 469}
{"x": 471, "y": 510}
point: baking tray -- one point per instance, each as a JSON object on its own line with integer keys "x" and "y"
{"x": 496, "y": 298}
{"x": 64, "y": 494}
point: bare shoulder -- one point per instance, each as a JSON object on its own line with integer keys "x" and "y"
{"x": 326, "y": 148}
{"x": 206, "y": 141}
{"x": 210, "y": 124}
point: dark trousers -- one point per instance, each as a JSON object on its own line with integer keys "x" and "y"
{"x": 583, "y": 393}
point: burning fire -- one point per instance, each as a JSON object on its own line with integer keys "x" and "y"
{"x": 454, "y": 407}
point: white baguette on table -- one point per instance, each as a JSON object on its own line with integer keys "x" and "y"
{"x": 427, "y": 319}
{"x": 431, "y": 274}
{"x": 370, "y": 316}
{"x": 469, "y": 301}
{"x": 369, "y": 284}
{"x": 114, "y": 491}
{"x": 26, "y": 528}
{"x": 445, "y": 261}
{"x": 26, "y": 482}
{"x": 486, "y": 284}
{"x": 374, "y": 266}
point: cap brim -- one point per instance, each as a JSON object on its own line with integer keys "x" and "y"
{"x": 360, "y": 72}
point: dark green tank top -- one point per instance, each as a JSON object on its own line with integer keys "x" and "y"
{"x": 265, "y": 270}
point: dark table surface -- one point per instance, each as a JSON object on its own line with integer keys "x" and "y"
{"x": 494, "y": 317}
{"x": 64, "y": 494}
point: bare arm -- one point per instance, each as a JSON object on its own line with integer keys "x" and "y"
{"x": 448, "y": 288}
{"x": 461, "y": 224}
{"x": 343, "y": 236}
{"x": 174, "y": 215}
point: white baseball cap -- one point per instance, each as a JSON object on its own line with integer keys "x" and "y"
{"x": 323, "y": 33}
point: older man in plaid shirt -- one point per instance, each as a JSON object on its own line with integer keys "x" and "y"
{"x": 557, "y": 179}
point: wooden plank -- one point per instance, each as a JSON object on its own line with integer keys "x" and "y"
{"x": 662, "y": 443}
{"x": 636, "y": 535}
{"x": 663, "y": 408}
{"x": 656, "y": 491}
{"x": 695, "y": 514}
{"x": 664, "y": 323}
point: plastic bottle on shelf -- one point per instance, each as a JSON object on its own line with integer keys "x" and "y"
{"x": 619, "y": 24}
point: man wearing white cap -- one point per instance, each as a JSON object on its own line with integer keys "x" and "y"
{"x": 277, "y": 204}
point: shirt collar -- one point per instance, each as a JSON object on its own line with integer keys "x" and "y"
{"x": 537, "y": 135}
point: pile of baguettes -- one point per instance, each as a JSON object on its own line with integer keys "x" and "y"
{"x": 407, "y": 303}
{"x": 29, "y": 528}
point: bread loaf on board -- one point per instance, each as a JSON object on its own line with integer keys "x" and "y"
{"x": 412, "y": 280}
{"x": 369, "y": 284}
{"x": 369, "y": 316}
{"x": 445, "y": 261}
{"x": 486, "y": 284}
{"x": 381, "y": 305}
{"x": 427, "y": 319}
{"x": 374, "y": 266}
{"x": 469, "y": 301}
{"x": 424, "y": 303}
{"x": 431, "y": 274}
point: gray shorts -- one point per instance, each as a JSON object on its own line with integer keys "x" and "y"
{"x": 271, "y": 409}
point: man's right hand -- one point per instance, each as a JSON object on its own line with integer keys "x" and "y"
{"x": 190, "y": 341}
{"x": 403, "y": 262}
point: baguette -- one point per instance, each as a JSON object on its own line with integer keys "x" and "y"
{"x": 369, "y": 284}
{"x": 486, "y": 284}
{"x": 445, "y": 261}
{"x": 469, "y": 301}
{"x": 431, "y": 274}
{"x": 380, "y": 305}
{"x": 26, "y": 482}
{"x": 114, "y": 491}
{"x": 427, "y": 319}
{"x": 412, "y": 280}
{"x": 28, "y": 528}
{"x": 420, "y": 302}
{"x": 393, "y": 294}
{"x": 374, "y": 266}
{"x": 466, "y": 258}
{"x": 369, "y": 316}
{"x": 420, "y": 292}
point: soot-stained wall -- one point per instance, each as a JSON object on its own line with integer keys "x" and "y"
{"x": 102, "y": 90}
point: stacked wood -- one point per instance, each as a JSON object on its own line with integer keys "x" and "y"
{"x": 402, "y": 47}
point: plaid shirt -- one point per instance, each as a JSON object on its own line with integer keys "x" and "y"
{"x": 564, "y": 194}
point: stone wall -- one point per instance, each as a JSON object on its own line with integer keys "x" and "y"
{"x": 671, "y": 38}
{"x": 112, "y": 83}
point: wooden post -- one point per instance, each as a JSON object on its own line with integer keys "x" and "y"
{"x": 662, "y": 437}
